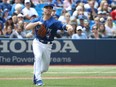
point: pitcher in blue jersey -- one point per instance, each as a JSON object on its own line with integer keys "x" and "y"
{"x": 42, "y": 45}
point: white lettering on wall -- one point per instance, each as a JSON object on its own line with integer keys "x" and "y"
{"x": 4, "y": 46}
{"x": 26, "y": 46}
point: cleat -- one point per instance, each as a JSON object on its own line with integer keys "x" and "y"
{"x": 39, "y": 83}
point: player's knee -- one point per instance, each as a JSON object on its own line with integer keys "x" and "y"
{"x": 37, "y": 58}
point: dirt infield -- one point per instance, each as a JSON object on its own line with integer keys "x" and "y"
{"x": 64, "y": 77}
{"x": 53, "y": 65}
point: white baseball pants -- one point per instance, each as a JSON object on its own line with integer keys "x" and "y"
{"x": 42, "y": 54}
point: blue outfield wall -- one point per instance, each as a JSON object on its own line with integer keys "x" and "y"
{"x": 64, "y": 51}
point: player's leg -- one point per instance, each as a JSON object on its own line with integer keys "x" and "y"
{"x": 46, "y": 58}
{"x": 37, "y": 59}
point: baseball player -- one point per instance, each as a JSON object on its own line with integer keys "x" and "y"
{"x": 45, "y": 29}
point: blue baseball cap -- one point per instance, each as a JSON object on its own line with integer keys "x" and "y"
{"x": 48, "y": 5}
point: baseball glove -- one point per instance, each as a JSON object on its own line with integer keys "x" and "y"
{"x": 42, "y": 31}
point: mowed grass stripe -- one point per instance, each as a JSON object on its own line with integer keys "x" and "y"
{"x": 61, "y": 83}
{"x": 26, "y": 71}
{"x": 62, "y": 68}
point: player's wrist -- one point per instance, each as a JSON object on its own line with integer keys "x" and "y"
{"x": 39, "y": 23}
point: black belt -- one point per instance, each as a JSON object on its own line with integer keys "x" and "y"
{"x": 45, "y": 42}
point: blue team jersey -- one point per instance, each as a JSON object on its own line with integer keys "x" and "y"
{"x": 52, "y": 25}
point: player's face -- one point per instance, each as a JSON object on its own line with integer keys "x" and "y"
{"x": 48, "y": 10}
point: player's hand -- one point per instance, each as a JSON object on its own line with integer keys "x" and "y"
{"x": 69, "y": 29}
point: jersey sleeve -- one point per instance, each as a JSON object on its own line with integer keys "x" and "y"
{"x": 60, "y": 25}
{"x": 35, "y": 20}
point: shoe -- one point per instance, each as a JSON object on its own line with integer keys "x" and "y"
{"x": 34, "y": 80}
{"x": 39, "y": 83}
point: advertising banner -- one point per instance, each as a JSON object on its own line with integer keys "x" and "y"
{"x": 64, "y": 51}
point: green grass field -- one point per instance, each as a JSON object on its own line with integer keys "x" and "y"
{"x": 60, "y": 76}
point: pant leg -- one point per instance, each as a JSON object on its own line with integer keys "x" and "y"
{"x": 37, "y": 50}
{"x": 46, "y": 58}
